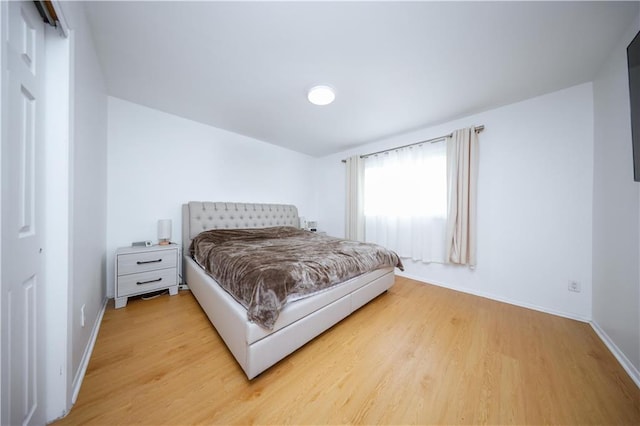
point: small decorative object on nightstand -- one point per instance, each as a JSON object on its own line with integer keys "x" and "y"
{"x": 141, "y": 270}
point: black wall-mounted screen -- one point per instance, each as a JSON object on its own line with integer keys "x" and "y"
{"x": 633, "y": 61}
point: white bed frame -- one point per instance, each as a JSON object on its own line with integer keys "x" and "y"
{"x": 255, "y": 348}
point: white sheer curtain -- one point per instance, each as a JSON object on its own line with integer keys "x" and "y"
{"x": 462, "y": 176}
{"x": 354, "y": 221}
{"x": 406, "y": 201}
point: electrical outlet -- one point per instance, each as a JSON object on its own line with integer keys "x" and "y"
{"x": 82, "y": 316}
{"x": 574, "y": 286}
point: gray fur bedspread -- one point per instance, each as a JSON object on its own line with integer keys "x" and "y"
{"x": 264, "y": 267}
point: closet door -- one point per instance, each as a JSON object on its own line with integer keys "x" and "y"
{"x": 22, "y": 297}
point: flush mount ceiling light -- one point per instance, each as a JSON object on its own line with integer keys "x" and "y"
{"x": 321, "y": 95}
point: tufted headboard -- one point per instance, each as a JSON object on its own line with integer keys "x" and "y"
{"x": 198, "y": 216}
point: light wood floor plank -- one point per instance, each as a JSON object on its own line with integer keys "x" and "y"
{"x": 418, "y": 354}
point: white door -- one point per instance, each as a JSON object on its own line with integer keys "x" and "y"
{"x": 22, "y": 306}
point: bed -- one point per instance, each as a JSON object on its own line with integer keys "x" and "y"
{"x": 256, "y": 347}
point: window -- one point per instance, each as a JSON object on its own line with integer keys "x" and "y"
{"x": 405, "y": 201}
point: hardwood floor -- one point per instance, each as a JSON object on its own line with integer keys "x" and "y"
{"x": 418, "y": 354}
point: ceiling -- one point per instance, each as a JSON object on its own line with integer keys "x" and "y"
{"x": 396, "y": 66}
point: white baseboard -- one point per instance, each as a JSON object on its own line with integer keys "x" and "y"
{"x": 500, "y": 299}
{"x": 84, "y": 363}
{"x": 631, "y": 370}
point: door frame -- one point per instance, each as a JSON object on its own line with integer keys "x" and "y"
{"x": 4, "y": 28}
{"x": 58, "y": 225}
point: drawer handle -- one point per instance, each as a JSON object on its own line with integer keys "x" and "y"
{"x": 150, "y": 281}
{"x": 142, "y": 262}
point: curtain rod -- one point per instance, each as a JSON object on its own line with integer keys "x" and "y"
{"x": 478, "y": 129}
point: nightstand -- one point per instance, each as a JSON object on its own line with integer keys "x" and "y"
{"x": 141, "y": 270}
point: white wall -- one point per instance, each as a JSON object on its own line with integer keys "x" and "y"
{"x": 86, "y": 198}
{"x": 158, "y": 161}
{"x": 534, "y": 202}
{"x": 88, "y": 210}
{"x": 616, "y": 209}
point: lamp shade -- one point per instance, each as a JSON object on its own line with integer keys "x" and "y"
{"x": 164, "y": 230}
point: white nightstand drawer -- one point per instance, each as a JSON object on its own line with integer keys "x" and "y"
{"x": 146, "y": 281}
{"x": 132, "y": 263}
